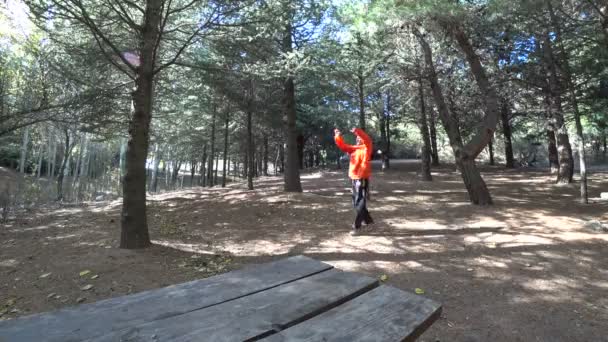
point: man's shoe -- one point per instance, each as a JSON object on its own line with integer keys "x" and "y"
{"x": 355, "y": 231}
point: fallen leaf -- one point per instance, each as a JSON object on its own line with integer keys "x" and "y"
{"x": 45, "y": 275}
{"x": 95, "y": 276}
{"x": 81, "y": 299}
{"x": 85, "y": 272}
{"x": 87, "y": 287}
{"x": 419, "y": 291}
{"x": 470, "y": 269}
{"x": 383, "y": 277}
{"x": 51, "y": 295}
{"x": 11, "y": 302}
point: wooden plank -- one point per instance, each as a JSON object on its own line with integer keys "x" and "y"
{"x": 253, "y": 316}
{"x": 383, "y": 314}
{"x": 90, "y": 320}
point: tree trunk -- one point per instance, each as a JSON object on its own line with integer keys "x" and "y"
{"x": 385, "y": 113}
{"x": 292, "y": 170}
{"x": 225, "y": 166}
{"x": 192, "y": 171}
{"x": 52, "y": 155}
{"x": 360, "y": 85}
{"x": 474, "y": 183}
{"x": 212, "y": 153}
{"x": 265, "y": 158}
{"x": 426, "y": 141}
{"x": 250, "y": 151}
{"x": 388, "y": 141}
{"x": 574, "y": 101}
{"x": 300, "y": 143}
{"x": 49, "y": 152}
{"x": 491, "y": 151}
{"x": 134, "y": 223}
{"x": 433, "y": 131}
{"x": 556, "y": 116}
{"x": 489, "y": 96}
{"x": 39, "y": 164}
{"x": 122, "y": 159}
{"x": 552, "y": 152}
{"x": 605, "y": 140}
{"x": 506, "y": 131}
{"x": 282, "y": 158}
{"x": 217, "y": 167}
{"x": 203, "y": 179}
{"x": 277, "y": 160}
{"x": 177, "y": 166}
{"x": 64, "y": 163}
{"x": 476, "y": 186}
{"x": 154, "y": 180}
{"x": 23, "y": 159}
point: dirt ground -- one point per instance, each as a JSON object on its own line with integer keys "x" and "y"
{"x": 525, "y": 269}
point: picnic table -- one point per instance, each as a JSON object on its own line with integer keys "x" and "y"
{"x": 293, "y": 299}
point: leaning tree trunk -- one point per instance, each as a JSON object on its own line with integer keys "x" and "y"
{"x": 134, "y": 223}
{"x": 489, "y": 95}
{"x": 556, "y": 116}
{"x": 426, "y": 141}
{"x": 64, "y": 163}
{"x": 465, "y": 158}
{"x": 292, "y": 170}
{"x": 225, "y": 166}
{"x": 506, "y": 131}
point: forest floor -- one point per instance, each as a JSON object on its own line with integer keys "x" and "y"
{"x": 528, "y": 268}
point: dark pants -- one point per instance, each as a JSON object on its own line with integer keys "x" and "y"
{"x": 360, "y": 194}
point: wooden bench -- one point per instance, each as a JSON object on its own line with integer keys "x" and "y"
{"x": 294, "y": 299}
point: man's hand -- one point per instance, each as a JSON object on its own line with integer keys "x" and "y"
{"x": 337, "y": 132}
{"x": 352, "y": 130}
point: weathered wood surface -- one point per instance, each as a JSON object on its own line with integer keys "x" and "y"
{"x": 255, "y": 315}
{"x": 383, "y": 314}
{"x": 96, "y": 319}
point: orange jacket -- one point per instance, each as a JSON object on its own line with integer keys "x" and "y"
{"x": 360, "y": 155}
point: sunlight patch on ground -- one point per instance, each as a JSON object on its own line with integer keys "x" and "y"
{"x": 425, "y": 225}
{"x": 186, "y": 247}
{"x": 9, "y": 263}
{"x": 315, "y": 175}
{"x": 62, "y": 237}
{"x": 257, "y": 248}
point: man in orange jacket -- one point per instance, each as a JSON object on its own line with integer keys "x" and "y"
{"x": 359, "y": 172}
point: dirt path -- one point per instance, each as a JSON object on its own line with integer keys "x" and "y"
{"x": 525, "y": 269}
